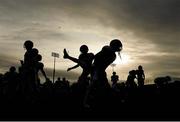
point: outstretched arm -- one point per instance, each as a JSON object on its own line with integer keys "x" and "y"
{"x": 73, "y": 67}
{"x": 43, "y": 72}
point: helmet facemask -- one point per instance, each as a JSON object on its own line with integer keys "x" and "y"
{"x": 119, "y": 54}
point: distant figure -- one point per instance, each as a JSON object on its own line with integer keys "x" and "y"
{"x": 58, "y": 79}
{"x": 102, "y": 60}
{"x": 58, "y": 82}
{"x": 48, "y": 86}
{"x": 85, "y": 61}
{"x": 140, "y": 76}
{"x": 161, "y": 81}
{"x": 11, "y": 78}
{"x": 130, "y": 83}
{"x": 65, "y": 83}
{"x": 114, "y": 79}
{"x": 48, "y": 83}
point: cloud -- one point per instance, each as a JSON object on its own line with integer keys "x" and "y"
{"x": 151, "y": 27}
{"x": 6, "y": 62}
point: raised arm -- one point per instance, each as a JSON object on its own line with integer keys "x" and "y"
{"x": 43, "y": 72}
{"x": 41, "y": 68}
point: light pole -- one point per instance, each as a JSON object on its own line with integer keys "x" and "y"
{"x": 55, "y": 55}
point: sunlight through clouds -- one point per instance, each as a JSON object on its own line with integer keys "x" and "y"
{"x": 148, "y": 37}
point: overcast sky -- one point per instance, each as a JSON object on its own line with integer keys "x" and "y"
{"x": 148, "y": 29}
